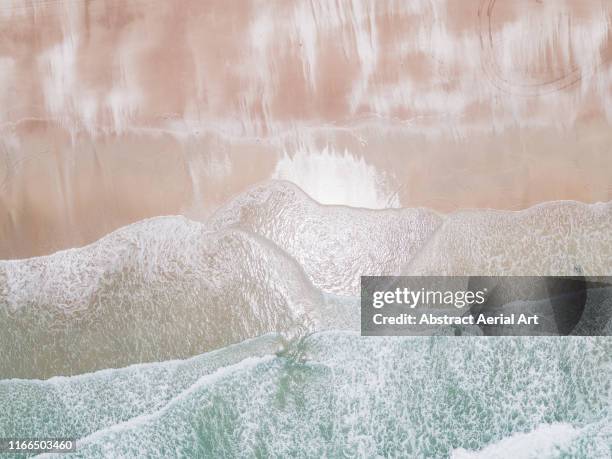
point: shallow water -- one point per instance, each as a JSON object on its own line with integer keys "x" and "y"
{"x": 336, "y": 394}
{"x": 271, "y": 260}
{"x": 215, "y": 313}
{"x": 263, "y": 298}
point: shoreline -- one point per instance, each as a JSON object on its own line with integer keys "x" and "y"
{"x": 60, "y": 192}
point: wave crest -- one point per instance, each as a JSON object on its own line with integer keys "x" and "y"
{"x": 160, "y": 289}
{"x": 334, "y": 244}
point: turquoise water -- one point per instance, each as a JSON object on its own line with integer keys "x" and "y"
{"x": 333, "y": 394}
{"x": 279, "y": 274}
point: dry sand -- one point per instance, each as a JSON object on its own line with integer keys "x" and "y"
{"x": 113, "y": 112}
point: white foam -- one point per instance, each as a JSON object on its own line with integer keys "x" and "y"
{"x": 334, "y": 244}
{"x": 205, "y": 380}
{"x": 540, "y": 443}
{"x": 330, "y": 177}
{"x": 162, "y": 288}
{"x": 553, "y": 238}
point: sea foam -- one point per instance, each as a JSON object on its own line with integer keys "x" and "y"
{"x": 160, "y": 289}
{"x": 337, "y": 394}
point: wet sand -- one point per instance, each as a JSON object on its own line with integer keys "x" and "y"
{"x": 111, "y": 113}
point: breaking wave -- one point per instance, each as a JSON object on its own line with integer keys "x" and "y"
{"x": 264, "y": 295}
{"x": 334, "y": 244}
{"x": 160, "y": 289}
{"x": 337, "y": 395}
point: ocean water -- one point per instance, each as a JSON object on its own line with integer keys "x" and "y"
{"x": 336, "y": 394}
{"x": 238, "y": 337}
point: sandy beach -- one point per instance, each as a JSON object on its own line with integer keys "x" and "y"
{"x": 199, "y": 199}
{"x": 62, "y": 193}
{"x": 112, "y": 114}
